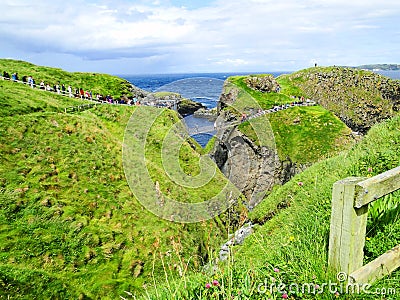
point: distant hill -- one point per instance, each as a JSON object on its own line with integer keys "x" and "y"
{"x": 359, "y": 98}
{"x": 380, "y": 67}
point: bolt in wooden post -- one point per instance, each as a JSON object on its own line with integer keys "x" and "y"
{"x": 348, "y": 227}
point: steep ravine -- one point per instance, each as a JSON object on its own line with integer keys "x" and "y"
{"x": 253, "y": 169}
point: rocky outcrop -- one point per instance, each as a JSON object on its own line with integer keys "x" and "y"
{"x": 253, "y": 169}
{"x": 166, "y": 99}
{"x": 235, "y": 239}
{"x": 138, "y": 93}
{"x": 227, "y": 97}
{"x": 188, "y": 107}
{"x": 264, "y": 84}
{"x": 359, "y": 98}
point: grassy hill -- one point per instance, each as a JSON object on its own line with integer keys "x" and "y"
{"x": 16, "y": 99}
{"x": 302, "y": 134}
{"x": 70, "y": 226}
{"x": 290, "y": 240}
{"x": 97, "y": 83}
{"x": 359, "y": 98}
{"x": 288, "y": 248}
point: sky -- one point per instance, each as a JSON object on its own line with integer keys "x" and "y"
{"x": 176, "y": 36}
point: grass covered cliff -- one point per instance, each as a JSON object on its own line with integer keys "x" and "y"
{"x": 303, "y": 134}
{"x": 286, "y": 256}
{"x": 272, "y": 131}
{"x": 70, "y": 226}
{"x": 103, "y": 84}
{"x": 359, "y": 98}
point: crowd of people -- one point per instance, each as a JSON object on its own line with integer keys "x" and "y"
{"x": 62, "y": 89}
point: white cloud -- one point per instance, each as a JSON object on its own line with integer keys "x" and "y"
{"x": 212, "y": 35}
{"x": 235, "y": 62}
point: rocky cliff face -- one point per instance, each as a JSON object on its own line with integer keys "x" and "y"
{"x": 253, "y": 168}
{"x": 359, "y": 98}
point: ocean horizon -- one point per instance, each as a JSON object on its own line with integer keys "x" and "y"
{"x": 153, "y": 82}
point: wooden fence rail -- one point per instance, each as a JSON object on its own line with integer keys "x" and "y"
{"x": 350, "y": 199}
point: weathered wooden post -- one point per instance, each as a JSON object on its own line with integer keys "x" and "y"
{"x": 348, "y": 226}
{"x": 350, "y": 200}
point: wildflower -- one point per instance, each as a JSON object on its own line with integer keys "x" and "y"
{"x": 208, "y": 285}
{"x": 369, "y": 169}
{"x": 317, "y": 286}
{"x": 285, "y": 296}
{"x": 276, "y": 270}
{"x": 215, "y": 282}
{"x": 300, "y": 183}
{"x": 291, "y": 238}
{"x": 337, "y": 294}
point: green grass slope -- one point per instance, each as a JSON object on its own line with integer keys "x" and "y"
{"x": 97, "y": 83}
{"x": 16, "y": 99}
{"x": 288, "y": 249}
{"x": 295, "y": 240}
{"x": 70, "y": 227}
{"x": 265, "y": 100}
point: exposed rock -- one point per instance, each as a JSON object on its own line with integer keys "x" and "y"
{"x": 166, "y": 99}
{"x": 138, "y": 93}
{"x": 229, "y": 95}
{"x": 253, "y": 169}
{"x": 188, "y": 107}
{"x": 265, "y": 83}
{"x": 236, "y": 239}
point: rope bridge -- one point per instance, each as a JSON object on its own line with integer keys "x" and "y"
{"x": 212, "y": 129}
